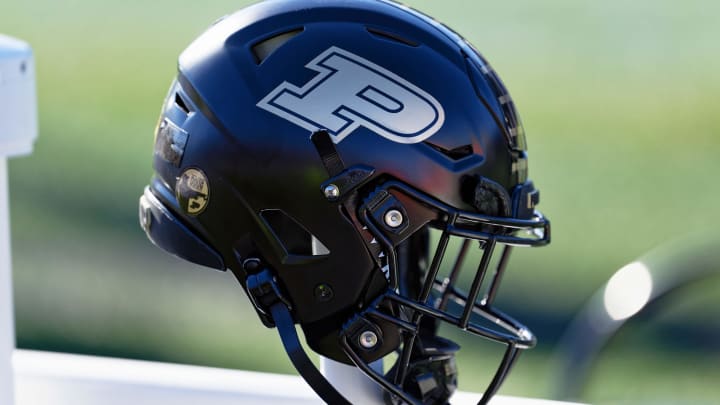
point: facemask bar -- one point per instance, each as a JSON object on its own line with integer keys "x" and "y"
{"x": 489, "y": 231}
{"x": 461, "y": 223}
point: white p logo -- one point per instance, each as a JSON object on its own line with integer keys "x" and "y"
{"x": 351, "y": 92}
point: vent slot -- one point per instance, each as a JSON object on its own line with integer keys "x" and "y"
{"x": 291, "y": 236}
{"x": 455, "y": 153}
{"x": 180, "y": 103}
{"x": 264, "y": 48}
{"x": 391, "y": 36}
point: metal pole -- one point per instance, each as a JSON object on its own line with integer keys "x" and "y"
{"x": 637, "y": 289}
{"x": 355, "y": 386}
{"x": 18, "y": 130}
{"x": 7, "y": 325}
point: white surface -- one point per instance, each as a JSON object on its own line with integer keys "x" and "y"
{"x": 43, "y": 378}
{"x": 352, "y": 383}
{"x": 55, "y": 378}
{"x": 18, "y": 102}
{"x": 7, "y": 326}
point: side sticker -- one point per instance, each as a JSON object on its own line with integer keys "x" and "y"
{"x": 192, "y": 191}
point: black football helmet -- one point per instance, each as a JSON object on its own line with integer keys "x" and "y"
{"x": 309, "y": 146}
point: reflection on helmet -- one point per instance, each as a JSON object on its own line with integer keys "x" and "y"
{"x": 310, "y": 146}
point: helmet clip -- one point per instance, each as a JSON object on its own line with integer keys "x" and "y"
{"x": 264, "y": 291}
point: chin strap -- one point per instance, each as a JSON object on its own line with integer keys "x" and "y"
{"x": 266, "y": 296}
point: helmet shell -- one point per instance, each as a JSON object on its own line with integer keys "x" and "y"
{"x": 262, "y": 174}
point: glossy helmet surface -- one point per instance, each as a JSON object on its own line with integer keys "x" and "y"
{"x": 308, "y": 146}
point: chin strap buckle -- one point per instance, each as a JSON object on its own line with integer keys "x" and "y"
{"x": 264, "y": 292}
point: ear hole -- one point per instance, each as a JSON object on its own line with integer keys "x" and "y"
{"x": 292, "y": 237}
{"x": 180, "y": 103}
{"x": 264, "y": 48}
{"x": 318, "y": 249}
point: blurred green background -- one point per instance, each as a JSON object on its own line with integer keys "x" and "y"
{"x": 620, "y": 102}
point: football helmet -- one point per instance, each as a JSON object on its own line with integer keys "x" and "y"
{"x": 309, "y": 147}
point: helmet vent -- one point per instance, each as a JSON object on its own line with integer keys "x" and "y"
{"x": 292, "y": 237}
{"x": 390, "y": 36}
{"x": 455, "y": 153}
{"x": 180, "y": 103}
{"x": 264, "y": 48}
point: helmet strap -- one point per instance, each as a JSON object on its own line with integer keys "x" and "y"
{"x": 267, "y": 297}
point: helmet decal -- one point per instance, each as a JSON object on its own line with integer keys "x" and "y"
{"x": 350, "y": 92}
{"x": 192, "y": 191}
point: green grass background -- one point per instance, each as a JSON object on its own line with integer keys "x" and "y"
{"x": 621, "y": 104}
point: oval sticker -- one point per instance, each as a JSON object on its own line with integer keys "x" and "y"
{"x": 192, "y": 191}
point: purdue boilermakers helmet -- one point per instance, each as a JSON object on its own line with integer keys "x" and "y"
{"x": 309, "y": 146}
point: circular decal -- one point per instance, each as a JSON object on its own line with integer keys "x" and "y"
{"x": 192, "y": 191}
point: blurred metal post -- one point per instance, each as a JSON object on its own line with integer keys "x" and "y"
{"x": 18, "y": 130}
{"x": 635, "y": 289}
{"x": 355, "y": 386}
{"x": 7, "y": 327}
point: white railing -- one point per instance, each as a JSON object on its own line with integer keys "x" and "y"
{"x": 44, "y": 378}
